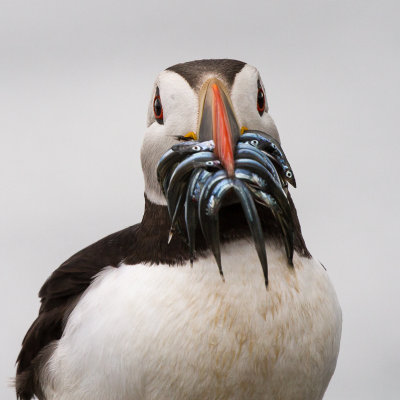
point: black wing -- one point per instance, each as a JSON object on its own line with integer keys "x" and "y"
{"x": 58, "y": 296}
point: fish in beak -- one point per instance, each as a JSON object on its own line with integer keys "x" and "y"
{"x": 221, "y": 166}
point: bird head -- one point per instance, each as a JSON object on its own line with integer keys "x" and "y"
{"x": 179, "y": 104}
{"x": 211, "y": 143}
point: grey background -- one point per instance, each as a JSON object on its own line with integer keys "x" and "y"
{"x": 75, "y": 80}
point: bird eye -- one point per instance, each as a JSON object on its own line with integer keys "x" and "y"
{"x": 254, "y": 143}
{"x": 260, "y": 100}
{"x": 158, "y": 109}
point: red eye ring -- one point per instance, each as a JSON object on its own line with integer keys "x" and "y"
{"x": 260, "y": 101}
{"x": 158, "y": 109}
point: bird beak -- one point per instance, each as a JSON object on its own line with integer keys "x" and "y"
{"x": 217, "y": 122}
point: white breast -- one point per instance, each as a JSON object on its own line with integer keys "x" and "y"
{"x": 160, "y": 332}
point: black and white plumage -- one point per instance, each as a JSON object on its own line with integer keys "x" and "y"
{"x": 127, "y": 318}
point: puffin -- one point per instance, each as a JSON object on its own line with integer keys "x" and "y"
{"x": 214, "y": 294}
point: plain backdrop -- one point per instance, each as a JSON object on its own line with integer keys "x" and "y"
{"x": 75, "y": 81}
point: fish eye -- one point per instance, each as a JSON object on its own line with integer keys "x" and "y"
{"x": 288, "y": 174}
{"x": 260, "y": 100}
{"x": 209, "y": 163}
{"x": 157, "y": 108}
{"x": 196, "y": 148}
{"x": 254, "y": 142}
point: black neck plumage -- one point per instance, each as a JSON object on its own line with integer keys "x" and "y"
{"x": 151, "y": 238}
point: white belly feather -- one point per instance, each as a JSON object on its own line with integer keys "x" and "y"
{"x": 160, "y": 332}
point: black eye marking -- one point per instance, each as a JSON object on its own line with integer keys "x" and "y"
{"x": 260, "y": 99}
{"x": 183, "y": 138}
{"x": 158, "y": 108}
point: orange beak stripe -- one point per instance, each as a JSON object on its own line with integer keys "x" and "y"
{"x": 222, "y": 134}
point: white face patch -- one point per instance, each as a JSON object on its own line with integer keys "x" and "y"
{"x": 244, "y": 99}
{"x": 180, "y": 112}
